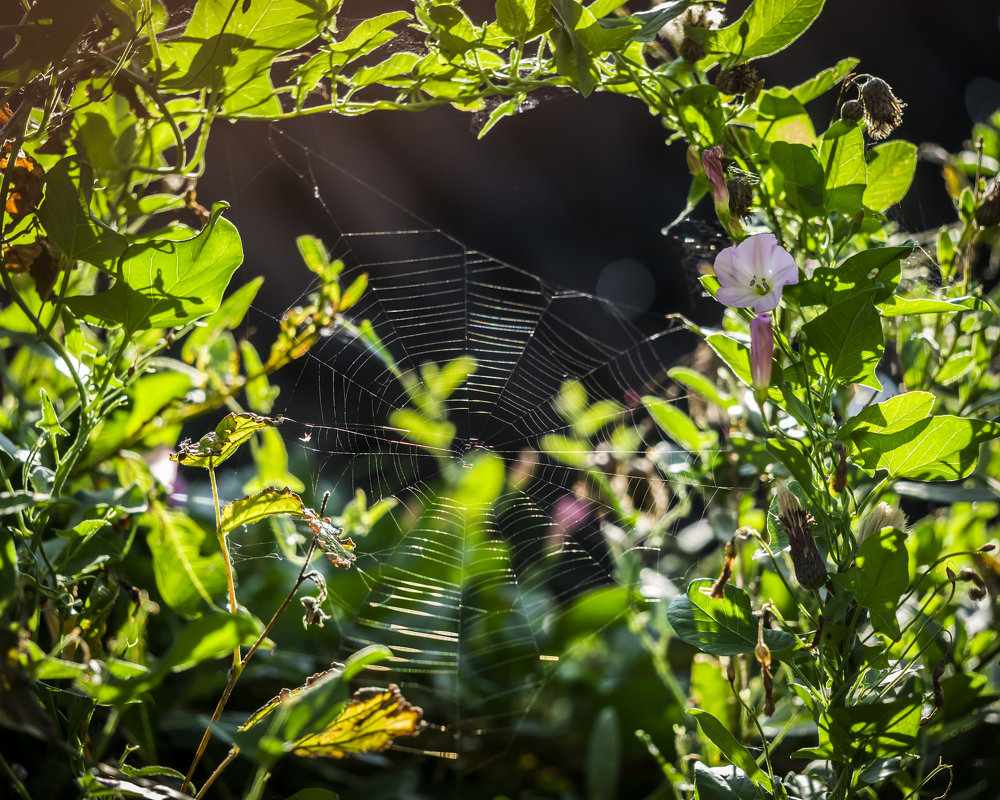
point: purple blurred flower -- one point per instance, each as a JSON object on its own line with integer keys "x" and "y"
{"x": 761, "y": 353}
{"x": 753, "y": 273}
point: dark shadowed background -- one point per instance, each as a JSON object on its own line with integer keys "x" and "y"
{"x": 577, "y": 190}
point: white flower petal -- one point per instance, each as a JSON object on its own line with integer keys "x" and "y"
{"x": 738, "y": 296}
{"x": 731, "y": 268}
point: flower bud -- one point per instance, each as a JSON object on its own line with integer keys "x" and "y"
{"x": 839, "y": 482}
{"x": 741, "y": 79}
{"x": 711, "y": 161}
{"x": 853, "y": 110}
{"x": 882, "y": 516}
{"x": 882, "y": 108}
{"x": 808, "y": 564}
{"x": 761, "y": 354}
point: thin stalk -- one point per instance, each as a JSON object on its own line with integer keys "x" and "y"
{"x": 230, "y": 757}
{"x": 234, "y": 674}
{"x": 19, "y": 787}
{"x": 233, "y": 609}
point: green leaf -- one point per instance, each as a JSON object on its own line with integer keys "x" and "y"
{"x": 782, "y": 118}
{"x": 676, "y": 424}
{"x": 802, "y": 174}
{"x": 650, "y": 21}
{"x": 230, "y": 51}
{"x": 433, "y": 435}
{"x": 50, "y": 420}
{"x": 731, "y": 747}
{"x": 824, "y": 81}
{"x": 701, "y": 109}
{"x": 842, "y": 155}
{"x": 604, "y": 756}
{"x": 723, "y": 783}
{"x": 846, "y": 343}
{"x": 229, "y": 314}
{"x": 397, "y": 64}
{"x": 65, "y": 215}
{"x": 877, "y": 268}
{"x": 568, "y": 450}
{"x": 897, "y": 306}
{"x": 162, "y": 284}
{"x": 208, "y": 638}
{"x": 737, "y": 358}
{"x": 890, "y": 172}
{"x": 868, "y": 731}
{"x": 792, "y": 453}
{"x": 187, "y": 562}
{"x": 214, "y": 448}
{"x": 724, "y": 626}
{"x": 573, "y": 60}
{"x": 254, "y": 508}
{"x": 879, "y": 578}
{"x": 898, "y": 435}
{"x": 515, "y": 17}
{"x": 697, "y": 382}
{"x": 766, "y": 27}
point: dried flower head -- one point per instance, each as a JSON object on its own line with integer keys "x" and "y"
{"x": 853, "y": 110}
{"x": 809, "y": 566}
{"x": 988, "y": 211}
{"x": 883, "y": 110}
{"x": 694, "y": 16}
{"x": 882, "y": 516}
{"x": 740, "y": 196}
{"x": 741, "y": 79}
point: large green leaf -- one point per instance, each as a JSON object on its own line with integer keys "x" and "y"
{"x": 766, "y": 27}
{"x": 731, "y": 747}
{"x": 875, "y": 269}
{"x": 802, "y": 175}
{"x": 263, "y": 504}
{"x": 65, "y": 214}
{"x": 215, "y": 447}
{"x": 842, "y": 155}
{"x": 162, "y": 284}
{"x": 722, "y": 626}
{"x": 890, "y": 172}
{"x": 677, "y": 425}
{"x": 879, "y": 578}
{"x": 868, "y": 731}
{"x": 845, "y": 342}
{"x": 187, "y": 562}
{"x": 824, "y": 81}
{"x": 782, "y": 118}
{"x": 229, "y": 48}
{"x": 900, "y": 436}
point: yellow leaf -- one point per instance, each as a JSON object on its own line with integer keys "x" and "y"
{"x": 369, "y": 723}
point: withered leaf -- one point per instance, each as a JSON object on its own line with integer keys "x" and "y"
{"x": 27, "y": 180}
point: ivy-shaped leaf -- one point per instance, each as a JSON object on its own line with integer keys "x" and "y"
{"x": 845, "y": 342}
{"x": 166, "y": 283}
{"x": 890, "y": 172}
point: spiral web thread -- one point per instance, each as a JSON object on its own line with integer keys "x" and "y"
{"x": 466, "y": 594}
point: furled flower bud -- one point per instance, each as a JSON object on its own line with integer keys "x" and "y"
{"x": 741, "y": 79}
{"x": 809, "y": 566}
{"x": 988, "y": 211}
{"x": 853, "y": 110}
{"x": 740, "y": 196}
{"x": 761, "y": 354}
{"x": 882, "y": 108}
{"x": 882, "y": 516}
{"x": 711, "y": 161}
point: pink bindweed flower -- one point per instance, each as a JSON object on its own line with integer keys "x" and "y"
{"x": 753, "y": 273}
{"x": 761, "y": 353}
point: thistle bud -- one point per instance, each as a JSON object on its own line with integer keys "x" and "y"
{"x": 809, "y": 566}
{"x": 882, "y": 516}
{"x": 853, "y": 110}
{"x": 740, "y": 196}
{"x": 988, "y": 211}
{"x": 883, "y": 109}
{"x": 741, "y": 79}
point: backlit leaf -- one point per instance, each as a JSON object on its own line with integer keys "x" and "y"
{"x": 890, "y": 172}
{"x": 256, "y": 507}
{"x": 214, "y": 448}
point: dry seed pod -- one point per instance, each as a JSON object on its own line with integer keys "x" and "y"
{"x": 740, "y": 196}
{"x": 853, "y": 110}
{"x": 741, "y": 79}
{"x": 810, "y": 568}
{"x": 883, "y": 109}
{"x": 988, "y": 211}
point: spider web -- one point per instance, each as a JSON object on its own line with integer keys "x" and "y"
{"x": 465, "y": 589}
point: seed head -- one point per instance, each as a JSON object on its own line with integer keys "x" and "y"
{"x": 741, "y": 79}
{"x": 740, "y": 196}
{"x": 988, "y": 212}
{"x": 691, "y": 51}
{"x": 883, "y": 110}
{"x": 882, "y": 516}
{"x": 809, "y": 566}
{"x": 853, "y": 110}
